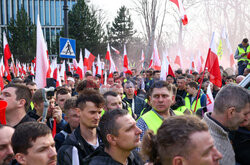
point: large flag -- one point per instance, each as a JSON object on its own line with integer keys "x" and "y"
{"x": 89, "y": 58}
{"x": 210, "y": 99}
{"x": 181, "y": 10}
{"x": 178, "y": 59}
{"x": 42, "y": 64}
{"x": 212, "y": 64}
{"x": 125, "y": 59}
{"x": 166, "y": 68}
{"x": 7, "y": 55}
{"x": 156, "y": 58}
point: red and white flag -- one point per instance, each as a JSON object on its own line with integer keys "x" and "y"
{"x": 210, "y": 99}
{"x": 80, "y": 68}
{"x": 200, "y": 62}
{"x": 178, "y": 59}
{"x": 53, "y": 67}
{"x": 63, "y": 71}
{"x": 108, "y": 54}
{"x": 125, "y": 59}
{"x": 156, "y": 58}
{"x": 114, "y": 49}
{"x": 212, "y": 64}
{"x": 7, "y": 55}
{"x": 2, "y": 68}
{"x": 32, "y": 71}
{"x": 142, "y": 59}
{"x": 42, "y": 64}
{"x": 151, "y": 61}
{"x": 225, "y": 36}
{"x": 58, "y": 78}
{"x": 89, "y": 58}
{"x": 112, "y": 68}
{"x": 192, "y": 65}
{"x": 182, "y": 11}
{"x": 99, "y": 66}
{"x": 166, "y": 68}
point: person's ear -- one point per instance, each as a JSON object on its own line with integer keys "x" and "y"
{"x": 22, "y": 102}
{"x": 111, "y": 139}
{"x": 21, "y": 158}
{"x": 230, "y": 112}
{"x": 178, "y": 160}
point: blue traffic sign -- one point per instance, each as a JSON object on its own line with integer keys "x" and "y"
{"x": 67, "y": 48}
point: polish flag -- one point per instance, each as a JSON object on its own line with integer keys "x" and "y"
{"x": 178, "y": 59}
{"x": 225, "y": 36}
{"x": 112, "y": 67}
{"x": 125, "y": 59}
{"x": 114, "y": 49}
{"x": 166, "y": 68}
{"x": 200, "y": 62}
{"x": 142, "y": 59}
{"x": 99, "y": 66}
{"x": 42, "y": 64}
{"x": 210, "y": 99}
{"x": 80, "y": 68}
{"x": 32, "y": 72}
{"x": 75, "y": 65}
{"x": 2, "y": 68}
{"x": 192, "y": 65}
{"x": 212, "y": 64}
{"x": 7, "y": 55}
{"x": 89, "y": 58}
{"x": 63, "y": 71}
{"x": 151, "y": 62}
{"x": 182, "y": 11}
{"x": 156, "y": 58}
{"x": 58, "y": 78}
{"x": 53, "y": 67}
{"x": 108, "y": 54}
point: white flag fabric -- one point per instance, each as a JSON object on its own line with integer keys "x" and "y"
{"x": 42, "y": 64}
{"x": 210, "y": 99}
{"x": 164, "y": 67}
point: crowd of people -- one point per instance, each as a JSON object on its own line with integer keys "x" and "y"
{"x": 134, "y": 119}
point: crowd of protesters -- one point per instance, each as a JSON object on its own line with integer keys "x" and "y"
{"x": 134, "y": 119}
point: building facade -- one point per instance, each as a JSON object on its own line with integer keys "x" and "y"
{"x": 50, "y": 12}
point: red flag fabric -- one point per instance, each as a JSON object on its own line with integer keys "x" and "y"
{"x": 3, "y": 105}
{"x": 156, "y": 58}
{"x": 89, "y": 58}
{"x": 7, "y": 55}
{"x": 54, "y": 128}
{"x": 212, "y": 64}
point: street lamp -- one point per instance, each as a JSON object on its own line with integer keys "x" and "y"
{"x": 65, "y": 9}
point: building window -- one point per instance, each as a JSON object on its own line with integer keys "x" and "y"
{"x": 15, "y": 8}
{"x": 46, "y": 12}
{"x": 20, "y": 4}
{"x": 25, "y": 2}
{"x": 58, "y": 12}
{"x": 62, "y": 12}
{"x": 36, "y": 10}
{"x": 42, "y": 12}
{"x": 52, "y": 12}
{"x": 8, "y": 5}
{"x": 3, "y": 13}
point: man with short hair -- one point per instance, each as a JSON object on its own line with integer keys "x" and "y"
{"x": 112, "y": 101}
{"x": 72, "y": 117}
{"x": 156, "y": 75}
{"x": 18, "y": 98}
{"x": 241, "y": 55}
{"x": 231, "y": 108}
{"x": 32, "y": 86}
{"x": 161, "y": 96}
{"x": 191, "y": 98}
{"x": 181, "y": 140}
{"x": 6, "y": 151}
{"x": 120, "y": 136}
{"x": 85, "y": 138}
{"x": 181, "y": 86}
{"x": 135, "y": 102}
{"x": 33, "y": 143}
{"x": 62, "y": 94}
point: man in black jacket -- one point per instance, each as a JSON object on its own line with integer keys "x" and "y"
{"x": 120, "y": 137}
{"x": 86, "y": 138}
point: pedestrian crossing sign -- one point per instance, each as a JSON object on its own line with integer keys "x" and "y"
{"x": 67, "y": 48}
